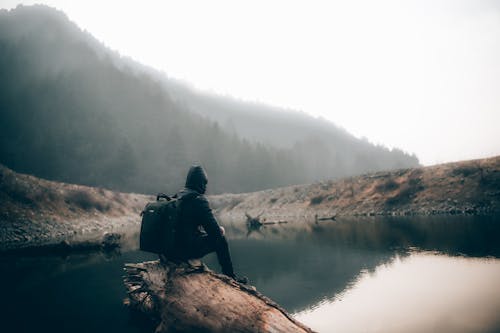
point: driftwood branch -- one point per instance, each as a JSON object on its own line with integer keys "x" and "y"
{"x": 328, "y": 218}
{"x": 188, "y": 297}
{"x": 255, "y": 224}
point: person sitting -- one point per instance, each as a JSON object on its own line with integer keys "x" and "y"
{"x": 197, "y": 232}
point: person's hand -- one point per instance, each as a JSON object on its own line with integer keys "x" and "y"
{"x": 222, "y": 230}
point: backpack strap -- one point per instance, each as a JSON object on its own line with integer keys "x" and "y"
{"x": 189, "y": 195}
{"x": 163, "y": 196}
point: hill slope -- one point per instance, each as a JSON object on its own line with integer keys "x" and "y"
{"x": 328, "y": 150}
{"x": 74, "y": 111}
{"x": 36, "y": 212}
{"x": 468, "y": 187}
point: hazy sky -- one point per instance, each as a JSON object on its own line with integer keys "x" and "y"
{"x": 420, "y": 75}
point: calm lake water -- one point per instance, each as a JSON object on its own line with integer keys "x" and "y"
{"x": 433, "y": 274}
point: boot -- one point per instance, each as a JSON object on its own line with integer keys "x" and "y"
{"x": 239, "y": 279}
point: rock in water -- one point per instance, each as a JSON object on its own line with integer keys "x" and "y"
{"x": 111, "y": 241}
{"x": 188, "y": 297}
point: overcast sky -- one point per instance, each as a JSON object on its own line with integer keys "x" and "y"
{"x": 423, "y": 76}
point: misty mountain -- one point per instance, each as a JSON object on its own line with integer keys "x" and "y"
{"x": 327, "y": 150}
{"x": 72, "y": 110}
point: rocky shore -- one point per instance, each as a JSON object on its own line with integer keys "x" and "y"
{"x": 38, "y": 214}
{"x": 46, "y": 215}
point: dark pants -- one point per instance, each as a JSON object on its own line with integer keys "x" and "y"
{"x": 203, "y": 245}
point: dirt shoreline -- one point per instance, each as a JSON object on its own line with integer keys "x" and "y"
{"x": 37, "y": 214}
{"x": 41, "y": 214}
{"x": 468, "y": 187}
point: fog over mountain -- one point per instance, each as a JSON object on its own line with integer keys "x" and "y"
{"x": 73, "y": 110}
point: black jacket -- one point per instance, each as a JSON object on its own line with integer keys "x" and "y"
{"x": 195, "y": 218}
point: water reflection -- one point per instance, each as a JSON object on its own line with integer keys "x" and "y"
{"x": 423, "y": 292}
{"x": 468, "y": 235}
{"x": 74, "y": 293}
{"x": 300, "y": 272}
{"x": 344, "y": 275}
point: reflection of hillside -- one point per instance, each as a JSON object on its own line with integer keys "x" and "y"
{"x": 414, "y": 294}
{"x": 78, "y": 293}
{"x": 295, "y": 267}
{"x": 301, "y": 267}
{"x": 476, "y": 236}
{"x": 299, "y": 273}
{"x": 27, "y": 272}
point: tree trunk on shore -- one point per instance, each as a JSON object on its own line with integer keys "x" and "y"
{"x": 188, "y": 297}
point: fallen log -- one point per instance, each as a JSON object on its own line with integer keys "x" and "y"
{"x": 188, "y": 297}
{"x": 328, "y": 218}
{"x": 255, "y": 224}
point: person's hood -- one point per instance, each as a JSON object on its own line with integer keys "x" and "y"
{"x": 197, "y": 179}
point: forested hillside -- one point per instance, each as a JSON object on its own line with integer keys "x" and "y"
{"x": 74, "y": 111}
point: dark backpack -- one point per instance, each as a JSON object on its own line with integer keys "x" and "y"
{"x": 159, "y": 220}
